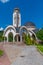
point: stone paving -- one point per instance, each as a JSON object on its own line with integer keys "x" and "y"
{"x": 4, "y": 60}
{"x": 23, "y": 55}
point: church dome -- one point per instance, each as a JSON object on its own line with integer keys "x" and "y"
{"x": 30, "y": 24}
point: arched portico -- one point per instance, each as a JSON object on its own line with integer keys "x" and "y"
{"x": 18, "y": 36}
{"x": 8, "y": 30}
{"x": 23, "y": 30}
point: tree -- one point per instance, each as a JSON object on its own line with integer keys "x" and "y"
{"x": 27, "y": 39}
{"x": 39, "y": 34}
{"x": 10, "y": 37}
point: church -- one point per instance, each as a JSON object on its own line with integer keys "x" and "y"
{"x": 16, "y": 30}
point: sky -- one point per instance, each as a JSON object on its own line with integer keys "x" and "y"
{"x": 31, "y": 10}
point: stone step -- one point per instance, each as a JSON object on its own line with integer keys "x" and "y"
{"x": 16, "y": 43}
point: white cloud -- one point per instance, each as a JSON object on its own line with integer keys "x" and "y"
{"x": 1, "y": 29}
{"x": 4, "y": 1}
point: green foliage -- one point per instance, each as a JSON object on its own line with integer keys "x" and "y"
{"x": 40, "y": 47}
{"x": 40, "y": 34}
{"x": 1, "y": 53}
{"x": 1, "y": 36}
{"x": 10, "y": 36}
{"x": 1, "y": 33}
{"x": 27, "y": 39}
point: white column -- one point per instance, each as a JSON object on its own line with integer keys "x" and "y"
{"x": 17, "y": 38}
{"x": 21, "y": 38}
{"x": 13, "y": 39}
{"x": 7, "y": 38}
{"x": 4, "y": 37}
{"x": 4, "y": 40}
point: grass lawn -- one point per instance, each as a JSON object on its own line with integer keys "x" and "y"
{"x": 40, "y": 48}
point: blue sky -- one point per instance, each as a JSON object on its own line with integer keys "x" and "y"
{"x": 31, "y": 10}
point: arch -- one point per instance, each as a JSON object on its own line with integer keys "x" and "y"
{"x": 28, "y": 32}
{"x": 33, "y": 34}
{"x": 11, "y": 35}
{"x": 23, "y": 29}
{"x": 17, "y": 38}
{"x": 9, "y": 27}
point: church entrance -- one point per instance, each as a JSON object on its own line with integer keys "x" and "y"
{"x": 10, "y": 37}
{"x": 17, "y": 38}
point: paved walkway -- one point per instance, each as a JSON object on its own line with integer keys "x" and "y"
{"x": 23, "y": 55}
{"x": 4, "y": 60}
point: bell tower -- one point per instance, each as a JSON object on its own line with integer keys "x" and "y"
{"x": 16, "y": 17}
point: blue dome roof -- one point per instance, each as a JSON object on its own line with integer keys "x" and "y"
{"x": 29, "y": 24}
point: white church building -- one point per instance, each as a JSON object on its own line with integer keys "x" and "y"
{"x": 17, "y": 30}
